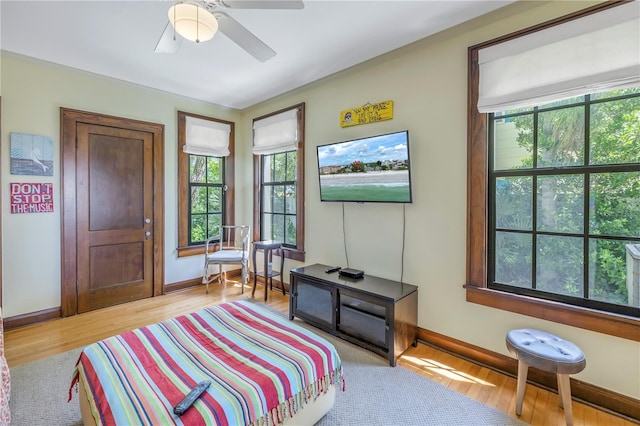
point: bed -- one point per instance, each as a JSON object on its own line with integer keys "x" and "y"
{"x": 264, "y": 370}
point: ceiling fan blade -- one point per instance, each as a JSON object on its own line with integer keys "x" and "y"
{"x": 243, "y": 37}
{"x": 170, "y": 40}
{"x": 261, "y": 4}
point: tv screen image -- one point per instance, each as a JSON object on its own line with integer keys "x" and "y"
{"x": 370, "y": 169}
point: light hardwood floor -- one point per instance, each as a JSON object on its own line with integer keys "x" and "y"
{"x": 489, "y": 387}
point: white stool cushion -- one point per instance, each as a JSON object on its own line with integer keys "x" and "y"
{"x": 545, "y": 351}
{"x": 227, "y": 255}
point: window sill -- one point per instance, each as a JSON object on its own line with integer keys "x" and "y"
{"x": 294, "y": 254}
{"x": 198, "y": 250}
{"x": 190, "y": 250}
{"x": 589, "y": 319}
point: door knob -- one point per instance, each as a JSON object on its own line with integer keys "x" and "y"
{"x": 147, "y": 220}
{"x": 147, "y": 234}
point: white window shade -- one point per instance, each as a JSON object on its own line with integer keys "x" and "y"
{"x": 596, "y": 53}
{"x": 206, "y": 137}
{"x": 278, "y": 133}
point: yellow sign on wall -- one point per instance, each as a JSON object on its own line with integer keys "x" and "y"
{"x": 368, "y": 113}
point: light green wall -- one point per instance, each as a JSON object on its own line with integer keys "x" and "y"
{"x": 32, "y": 94}
{"x": 427, "y": 82}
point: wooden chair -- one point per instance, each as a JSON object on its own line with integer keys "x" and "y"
{"x": 230, "y": 247}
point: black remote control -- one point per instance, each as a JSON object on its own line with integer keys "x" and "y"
{"x": 191, "y": 398}
{"x": 334, "y": 269}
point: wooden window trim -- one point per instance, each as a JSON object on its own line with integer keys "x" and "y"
{"x": 184, "y": 249}
{"x": 478, "y": 221}
{"x": 0, "y": 209}
{"x": 298, "y": 253}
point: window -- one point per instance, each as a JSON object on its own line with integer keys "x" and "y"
{"x": 564, "y": 200}
{"x": 553, "y": 190}
{"x": 206, "y": 197}
{"x": 278, "y": 201}
{"x": 205, "y": 180}
{"x": 279, "y": 179}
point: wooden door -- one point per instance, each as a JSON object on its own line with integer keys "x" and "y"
{"x": 112, "y": 211}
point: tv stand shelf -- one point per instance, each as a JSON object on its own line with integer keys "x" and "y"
{"x": 378, "y": 314}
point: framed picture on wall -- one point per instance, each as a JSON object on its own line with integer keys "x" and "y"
{"x": 31, "y": 155}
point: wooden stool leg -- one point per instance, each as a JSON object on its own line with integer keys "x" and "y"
{"x": 564, "y": 389}
{"x": 560, "y": 392}
{"x": 522, "y": 383}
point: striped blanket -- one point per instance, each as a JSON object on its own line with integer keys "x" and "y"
{"x": 263, "y": 369}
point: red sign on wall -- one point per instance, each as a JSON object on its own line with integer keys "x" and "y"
{"x": 31, "y": 197}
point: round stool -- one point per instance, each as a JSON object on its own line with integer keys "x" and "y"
{"x": 549, "y": 353}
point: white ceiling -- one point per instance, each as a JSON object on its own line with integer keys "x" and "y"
{"x": 117, "y": 39}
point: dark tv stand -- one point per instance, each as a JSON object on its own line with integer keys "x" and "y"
{"x": 375, "y": 313}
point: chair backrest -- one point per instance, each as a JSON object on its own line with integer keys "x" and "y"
{"x": 234, "y": 237}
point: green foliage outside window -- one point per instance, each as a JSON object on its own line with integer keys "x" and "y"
{"x": 577, "y": 203}
{"x": 206, "y": 197}
{"x": 279, "y": 196}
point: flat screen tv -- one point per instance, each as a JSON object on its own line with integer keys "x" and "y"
{"x": 373, "y": 169}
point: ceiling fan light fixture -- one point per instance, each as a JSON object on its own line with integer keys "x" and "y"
{"x": 193, "y": 21}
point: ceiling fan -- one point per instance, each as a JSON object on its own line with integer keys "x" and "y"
{"x": 198, "y": 20}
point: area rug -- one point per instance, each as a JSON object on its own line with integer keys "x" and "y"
{"x": 376, "y": 394}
